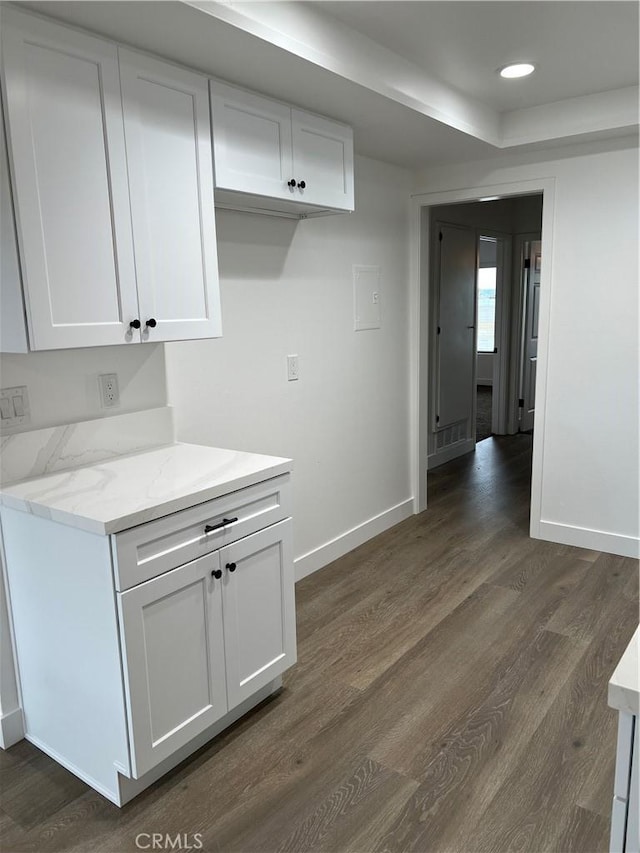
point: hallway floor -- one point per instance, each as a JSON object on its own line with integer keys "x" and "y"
{"x": 450, "y": 695}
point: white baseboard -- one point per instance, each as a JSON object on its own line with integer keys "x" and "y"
{"x": 450, "y": 452}
{"x": 11, "y": 728}
{"x": 341, "y": 545}
{"x": 585, "y": 537}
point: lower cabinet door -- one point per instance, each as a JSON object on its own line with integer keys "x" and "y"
{"x": 173, "y": 652}
{"x": 259, "y": 609}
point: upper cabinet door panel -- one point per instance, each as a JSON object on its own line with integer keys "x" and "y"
{"x": 65, "y": 127}
{"x": 323, "y": 159}
{"x": 13, "y": 330}
{"x": 252, "y": 139}
{"x": 168, "y": 136}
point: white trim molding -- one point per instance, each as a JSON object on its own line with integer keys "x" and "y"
{"x": 450, "y": 452}
{"x": 11, "y": 728}
{"x": 319, "y": 557}
{"x": 585, "y": 537}
{"x": 419, "y": 372}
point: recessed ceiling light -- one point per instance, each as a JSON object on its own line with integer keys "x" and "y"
{"x": 489, "y": 198}
{"x": 517, "y": 69}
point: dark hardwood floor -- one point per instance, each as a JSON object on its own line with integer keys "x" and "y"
{"x": 450, "y": 695}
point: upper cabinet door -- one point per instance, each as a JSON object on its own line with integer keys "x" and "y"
{"x": 13, "y": 329}
{"x": 168, "y": 137}
{"x": 64, "y": 122}
{"x": 252, "y": 140}
{"x": 323, "y": 160}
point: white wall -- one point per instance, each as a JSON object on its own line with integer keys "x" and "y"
{"x": 63, "y": 384}
{"x": 286, "y": 287}
{"x": 484, "y": 374}
{"x": 589, "y": 486}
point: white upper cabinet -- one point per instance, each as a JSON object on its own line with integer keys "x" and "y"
{"x": 264, "y": 152}
{"x": 252, "y": 138}
{"x": 13, "y": 331}
{"x": 64, "y": 119}
{"x": 112, "y": 173}
{"x": 322, "y": 160}
{"x": 168, "y": 137}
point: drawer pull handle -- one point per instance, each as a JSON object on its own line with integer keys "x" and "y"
{"x": 231, "y": 567}
{"x": 216, "y": 573}
{"x": 211, "y": 527}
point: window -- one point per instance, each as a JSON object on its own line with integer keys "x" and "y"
{"x": 486, "y": 295}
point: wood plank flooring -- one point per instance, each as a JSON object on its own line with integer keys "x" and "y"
{"x": 450, "y": 696}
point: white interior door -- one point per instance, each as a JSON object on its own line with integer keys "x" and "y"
{"x": 259, "y": 609}
{"x": 533, "y": 263}
{"x": 322, "y": 161}
{"x": 167, "y": 127}
{"x": 456, "y": 339}
{"x": 252, "y": 142}
{"x": 173, "y": 649}
{"x": 64, "y": 123}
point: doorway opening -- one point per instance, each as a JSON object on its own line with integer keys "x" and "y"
{"x": 486, "y": 284}
{"x": 463, "y": 311}
{"x": 484, "y": 308}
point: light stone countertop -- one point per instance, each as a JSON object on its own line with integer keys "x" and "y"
{"x": 120, "y": 493}
{"x": 624, "y": 686}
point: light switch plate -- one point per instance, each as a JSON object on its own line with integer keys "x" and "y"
{"x": 14, "y": 407}
{"x": 293, "y": 368}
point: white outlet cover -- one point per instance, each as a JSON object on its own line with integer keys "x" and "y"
{"x": 15, "y": 407}
{"x": 109, "y": 391}
{"x": 366, "y": 298}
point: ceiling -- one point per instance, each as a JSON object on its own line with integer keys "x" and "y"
{"x": 578, "y": 47}
{"x": 388, "y": 69}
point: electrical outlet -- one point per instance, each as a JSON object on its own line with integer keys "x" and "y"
{"x": 292, "y": 368}
{"x": 109, "y": 391}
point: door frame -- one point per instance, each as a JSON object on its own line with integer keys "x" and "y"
{"x": 420, "y": 277}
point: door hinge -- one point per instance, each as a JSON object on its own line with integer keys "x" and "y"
{"x": 521, "y": 403}
{"x": 527, "y": 263}
{"x": 438, "y": 330}
{"x": 440, "y": 236}
{"x": 437, "y": 419}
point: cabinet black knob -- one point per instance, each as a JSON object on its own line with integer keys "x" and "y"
{"x": 291, "y": 183}
{"x": 231, "y": 567}
{"x": 216, "y": 573}
{"x": 135, "y": 324}
{"x": 151, "y": 323}
{"x": 301, "y": 184}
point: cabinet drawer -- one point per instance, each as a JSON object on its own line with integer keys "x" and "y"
{"x": 143, "y": 552}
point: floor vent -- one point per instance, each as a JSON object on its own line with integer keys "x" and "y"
{"x": 451, "y": 435}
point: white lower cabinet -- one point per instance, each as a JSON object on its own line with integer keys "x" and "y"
{"x": 173, "y": 656}
{"x": 129, "y": 662}
{"x": 258, "y": 609}
{"x": 200, "y": 639}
